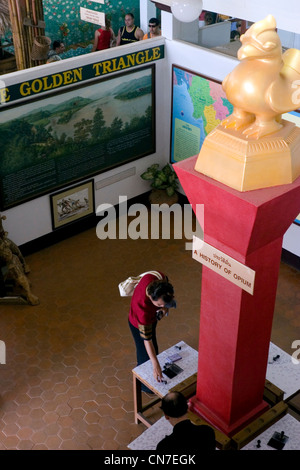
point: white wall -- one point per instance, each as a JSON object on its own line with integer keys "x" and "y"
{"x": 147, "y": 11}
{"x": 285, "y": 12}
{"x": 291, "y": 239}
{"x": 214, "y": 35}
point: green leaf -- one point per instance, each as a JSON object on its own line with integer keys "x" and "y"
{"x": 153, "y": 167}
{"x": 167, "y": 170}
{"x": 147, "y": 175}
{"x": 161, "y": 175}
{"x": 170, "y": 191}
{"x": 158, "y": 183}
{"x": 166, "y": 178}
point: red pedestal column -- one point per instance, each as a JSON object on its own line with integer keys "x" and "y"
{"x": 235, "y": 326}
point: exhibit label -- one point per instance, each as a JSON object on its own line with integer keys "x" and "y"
{"x": 32, "y": 88}
{"x": 92, "y": 16}
{"x": 227, "y": 267}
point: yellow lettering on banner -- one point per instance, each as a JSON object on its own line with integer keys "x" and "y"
{"x": 148, "y": 59}
{"x": 4, "y": 96}
{"x": 37, "y": 86}
{"x": 106, "y": 67}
{"x": 97, "y": 67}
{"x": 77, "y": 74}
{"x": 114, "y": 64}
{"x": 122, "y": 64}
{"x": 138, "y": 59}
{"x": 130, "y": 60}
{"x": 57, "y": 80}
{"x": 156, "y": 53}
{"x": 25, "y": 91}
{"x": 68, "y": 77}
{"x": 46, "y": 86}
{"x": 52, "y": 81}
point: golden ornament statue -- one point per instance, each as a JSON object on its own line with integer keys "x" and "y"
{"x": 254, "y": 147}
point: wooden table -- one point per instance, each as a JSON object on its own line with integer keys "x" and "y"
{"x": 185, "y": 381}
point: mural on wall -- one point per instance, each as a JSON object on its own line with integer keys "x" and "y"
{"x": 63, "y": 21}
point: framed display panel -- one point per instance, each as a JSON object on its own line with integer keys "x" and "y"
{"x": 199, "y": 104}
{"x": 72, "y": 204}
{"x": 50, "y": 142}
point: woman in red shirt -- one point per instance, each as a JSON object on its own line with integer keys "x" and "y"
{"x": 104, "y": 37}
{"x": 151, "y": 296}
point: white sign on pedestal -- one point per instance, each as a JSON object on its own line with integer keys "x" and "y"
{"x": 223, "y": 264}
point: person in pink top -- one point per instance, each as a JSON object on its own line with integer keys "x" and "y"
{"x": 104, "y": 37}
{"x": 151, "y": 301}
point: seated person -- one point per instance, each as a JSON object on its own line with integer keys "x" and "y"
{"x": 186, "y": 436}
{"x": 58, "y": 48}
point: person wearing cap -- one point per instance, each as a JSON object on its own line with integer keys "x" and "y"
{"x": 151, "y": 301}
{"x": 186, "y": 436}
{"x": 154, "y": 29}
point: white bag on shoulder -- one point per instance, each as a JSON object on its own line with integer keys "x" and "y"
{"x": 127, "y": 287}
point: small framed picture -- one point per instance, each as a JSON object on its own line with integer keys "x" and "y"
{"x": 72, "y": 204}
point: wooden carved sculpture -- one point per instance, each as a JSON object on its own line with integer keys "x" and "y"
{"x": 15, "y": 267}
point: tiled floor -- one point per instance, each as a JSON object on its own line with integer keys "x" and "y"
{"x": 67, "y": 381}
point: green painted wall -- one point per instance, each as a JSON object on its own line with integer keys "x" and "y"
{"x": 63, "y": 21}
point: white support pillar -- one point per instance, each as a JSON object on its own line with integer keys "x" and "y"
{"x": 168, "y": 28}
{"x": 147, "y": 11}
{"x": 171, "y": 28}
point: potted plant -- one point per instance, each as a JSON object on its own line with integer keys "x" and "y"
{"x": 164, "y": 184}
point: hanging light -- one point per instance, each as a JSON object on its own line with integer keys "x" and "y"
{"x": 186, "y": 10}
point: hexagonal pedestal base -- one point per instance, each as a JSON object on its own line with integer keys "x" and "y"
{"x": 244, "y": 164}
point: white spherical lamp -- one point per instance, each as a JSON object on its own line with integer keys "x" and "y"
{"x": 186, "y": 10}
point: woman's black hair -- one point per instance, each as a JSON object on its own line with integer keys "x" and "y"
{"x": 161, "y": 289}
{"x": 56, "y": 44}
{"x": 234, "y": 34}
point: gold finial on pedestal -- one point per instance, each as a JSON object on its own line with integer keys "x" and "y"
{"x": 254, "y": 148}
